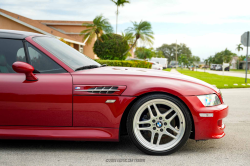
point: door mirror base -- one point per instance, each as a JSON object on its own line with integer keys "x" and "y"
{"x": 27, "y": 69}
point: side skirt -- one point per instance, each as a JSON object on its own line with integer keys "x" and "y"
{"x": 59, "y": 133}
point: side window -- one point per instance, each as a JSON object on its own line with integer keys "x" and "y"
{"x": 10, "y": 51}
{"x": 42, "y": 63}
{"x": 21, "y": 55}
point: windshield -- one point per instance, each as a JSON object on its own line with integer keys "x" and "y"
{"x": 70, "y": 56}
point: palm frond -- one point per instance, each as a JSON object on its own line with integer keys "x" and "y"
{"x": 99, "y": 26}
{"x": 114, "y": 2}
{"x": 120, "y": 2}
{"x": 90, "y": 37}
{"x": 142, "y": 31}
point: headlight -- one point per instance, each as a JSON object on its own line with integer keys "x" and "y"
{"x": 209, "y": 100}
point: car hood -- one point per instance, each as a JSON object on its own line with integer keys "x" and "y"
{"x": 143, "y": 72}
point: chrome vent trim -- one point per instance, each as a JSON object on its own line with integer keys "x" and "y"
{"x": 102, "y": 90}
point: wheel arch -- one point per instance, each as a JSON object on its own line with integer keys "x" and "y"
{"x": 123, "y": 122}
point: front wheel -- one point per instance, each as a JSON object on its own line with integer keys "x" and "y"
{"x": 159, "y": 124}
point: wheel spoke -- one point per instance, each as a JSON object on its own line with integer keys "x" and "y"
{"x": 172, "y": 117}
{"x": 150, "y": 112}
{"x": 159, "y": 125}
{"x": 144, "y": 128}
{"x": 174, "y": 129}
{"x": 159, "y": 139}
{"x": 144, "y": 122}
{"x": 152, "y": 137}
{"x": 168, "y": 112}
{"x": 156, "y": 110}
{"x": 170, "y": 135}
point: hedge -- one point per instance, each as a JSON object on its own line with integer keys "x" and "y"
{"x": 112, "y": 47}
{"x": 139, "y": 64}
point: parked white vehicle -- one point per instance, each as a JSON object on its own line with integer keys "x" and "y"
{"x": 162, "y": 61}
{"x": 213, "y": 66}
{"x": 218, "y": 67}
{"x": 156, "y": 65}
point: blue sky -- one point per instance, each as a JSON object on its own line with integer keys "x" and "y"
{"x": 206, "y": 27}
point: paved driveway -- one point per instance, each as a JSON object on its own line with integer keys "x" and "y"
{"x": 233, "y": 149}
{"x": 226, "y": 73}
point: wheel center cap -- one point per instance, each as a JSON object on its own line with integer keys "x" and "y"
{"x": 159, "y": 124}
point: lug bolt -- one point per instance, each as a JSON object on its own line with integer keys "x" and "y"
{"x": 154, "y": 128}
{"x": 161, "y": 130}
{"x": 165, "y": 124}
{"x": 160, "y": 118}
{"x": 153, "y": 121}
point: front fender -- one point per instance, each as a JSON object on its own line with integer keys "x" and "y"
{"x": 175, "y": 87}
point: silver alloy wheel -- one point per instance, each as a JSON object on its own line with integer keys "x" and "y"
{"x": 161, "y": 124}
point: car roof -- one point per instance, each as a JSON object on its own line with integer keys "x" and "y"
{"x": 13, "y": 34}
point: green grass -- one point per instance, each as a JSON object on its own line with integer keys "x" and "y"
{"x": 240, "y": 70}
{"x": 222, "y": 82}
{"x": 167, "y": 69}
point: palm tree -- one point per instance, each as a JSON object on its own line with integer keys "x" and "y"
{"x": 210, "y": 60}
{"x": 239, "y": 48}
{"x": 119, "y": 3}
{"x": 99, "y": 27}
{"x": 206, "y": 61}
{"x": 142, "y": 31}
{"x": 128, "y": 37}
{"x": 242, "y": 58}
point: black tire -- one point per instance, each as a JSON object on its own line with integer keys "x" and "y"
{"x": 147, "y": 98}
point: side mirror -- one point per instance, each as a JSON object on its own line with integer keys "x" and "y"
{"x": 27, "y": 69}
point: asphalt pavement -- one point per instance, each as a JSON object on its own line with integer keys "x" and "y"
{"x": 233, "y": 149}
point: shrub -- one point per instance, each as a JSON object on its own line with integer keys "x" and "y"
{"x": 112, "y": 47}
{"x": 128, "y": 54}
{"x": 139, "y": 64}
{"x": 143, "y": 53}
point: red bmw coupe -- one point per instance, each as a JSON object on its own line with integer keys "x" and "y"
{"x": 48, "y": 90}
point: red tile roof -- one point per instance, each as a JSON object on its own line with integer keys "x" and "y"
{"x": 41, "y": 24}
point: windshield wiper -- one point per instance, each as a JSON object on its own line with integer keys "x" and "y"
{"x": 88, "y": 67}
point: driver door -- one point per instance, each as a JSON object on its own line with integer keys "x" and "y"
{"x": 46, "y": 102}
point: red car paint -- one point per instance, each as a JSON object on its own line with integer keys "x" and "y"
{"x": 92, "y": 111}
{"x": 21, "y": 67}
{"x": 46, "y": 102}
{"x": 50, "y": 108}
{"x": 59, "y": 133}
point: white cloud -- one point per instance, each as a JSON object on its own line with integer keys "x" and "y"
{"x": 183, "y": 11}
{"x": 203, "y": 45}
{"x": 174, "y": 11}
{"x": 163, "y": 11}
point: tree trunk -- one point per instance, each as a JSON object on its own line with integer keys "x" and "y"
{"x": 99, "y": 38}
{"x": 130, "y": 47}
{"x": 116, "y": 19}
{"x": 238, "y": 61}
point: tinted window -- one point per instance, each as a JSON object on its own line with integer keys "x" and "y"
{"x": 65, "y": 53}
{"x": 42, "y": 63}
{"x": 10, "y": 52}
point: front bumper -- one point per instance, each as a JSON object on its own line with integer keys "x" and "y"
{"x": 206, "y": 127}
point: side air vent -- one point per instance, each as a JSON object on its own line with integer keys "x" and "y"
{"x": 104, "y": 90}
{"x": 99, "y": 90}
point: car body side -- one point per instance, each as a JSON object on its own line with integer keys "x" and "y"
{"x": 137, "y": 86}
{"x": 94, "y": 119}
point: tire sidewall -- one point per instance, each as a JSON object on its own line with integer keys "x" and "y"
{"x": 177, "y": 102}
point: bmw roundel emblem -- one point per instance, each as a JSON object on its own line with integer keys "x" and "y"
{"x": 158, "y": 124}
